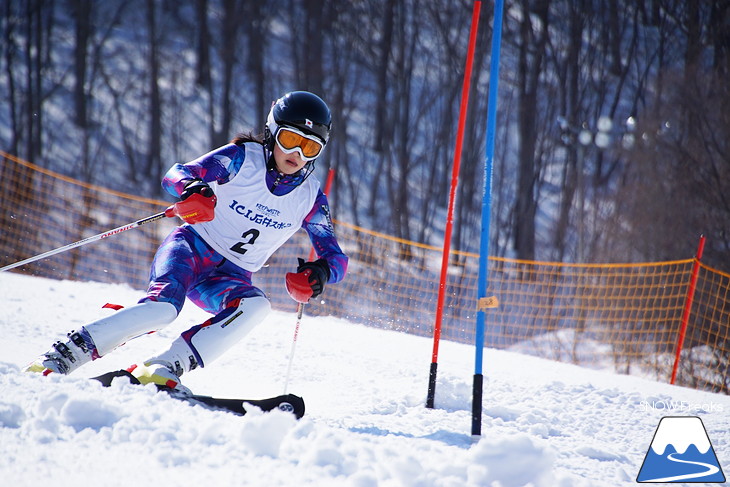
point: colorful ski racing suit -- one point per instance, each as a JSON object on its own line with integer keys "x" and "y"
{"x": 211, "y": 263}
{"x": 258, "y": 210}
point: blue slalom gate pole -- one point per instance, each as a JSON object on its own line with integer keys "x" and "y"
{"x": 482, "y": 301}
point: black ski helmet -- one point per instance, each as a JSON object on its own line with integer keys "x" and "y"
{"x": 302, "y": 110}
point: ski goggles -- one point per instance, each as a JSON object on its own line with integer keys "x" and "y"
{"x": 290, "y": 139}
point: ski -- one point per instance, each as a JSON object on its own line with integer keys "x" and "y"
{"x": 288, "y": 402}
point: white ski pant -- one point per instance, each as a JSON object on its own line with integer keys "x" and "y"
{"x": 198, "y": 346}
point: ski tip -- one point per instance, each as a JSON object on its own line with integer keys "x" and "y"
{"x": 290, "y": 403}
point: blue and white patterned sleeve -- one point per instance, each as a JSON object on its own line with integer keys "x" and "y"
{"x": 322, "y": 234}
{"x": 219, "y": 165}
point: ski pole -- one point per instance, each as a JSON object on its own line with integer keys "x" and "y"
{"x": 169, "y": 212}
{"x": 300, "y": 306}
{"x": 300, "y": 311}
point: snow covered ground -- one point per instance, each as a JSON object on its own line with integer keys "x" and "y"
{"x": 544, "y": 423}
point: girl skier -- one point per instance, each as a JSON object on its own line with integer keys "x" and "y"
{"x": 240, "y": 203}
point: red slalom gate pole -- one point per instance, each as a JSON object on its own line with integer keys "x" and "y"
{"x": 687, "y": 307}
{"x": 452, "y": 198}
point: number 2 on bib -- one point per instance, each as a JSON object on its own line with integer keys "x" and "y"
{"x": 249, "y": 237}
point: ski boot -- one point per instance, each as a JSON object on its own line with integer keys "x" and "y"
{"x": 160, "y": 373}
{"x": 64, "y": 358}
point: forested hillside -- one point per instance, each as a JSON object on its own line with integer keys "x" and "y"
{"x": 613, "y": 119}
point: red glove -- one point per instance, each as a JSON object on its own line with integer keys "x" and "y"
{"x": 308, "y": 281}
{"x": 197, "y": 203}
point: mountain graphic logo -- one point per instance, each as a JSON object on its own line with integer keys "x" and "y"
{"x": 680, "y": 452}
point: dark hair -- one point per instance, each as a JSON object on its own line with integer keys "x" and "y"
{"x": 244, "y": 137}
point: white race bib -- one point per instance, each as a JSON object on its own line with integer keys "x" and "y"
{"x": 250, "y": 222}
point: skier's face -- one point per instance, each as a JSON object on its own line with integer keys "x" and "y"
{"x": 287, "y": 163}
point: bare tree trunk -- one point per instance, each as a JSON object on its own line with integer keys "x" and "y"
{"x": 82, "y": 17}
{"x": 33, "y": 126}
{"x": 570, "y": 109}
{"x": 614, "y": 38}
{"x": 154, "y": 147}
{"x": 383, "y": 126}
{"x": 202, "y": 45}
{"x": 532, "y": 47}
{"x": 232, "y": 15}
{"x": 400, "y": 213}
{"x": 9, "y": 49}
{"x": 313, "y": 53}
{"x": 256, "y": 44}
{"x": 202, "y": 67}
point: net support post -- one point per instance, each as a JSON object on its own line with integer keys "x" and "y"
{"x": 687, "y": 308}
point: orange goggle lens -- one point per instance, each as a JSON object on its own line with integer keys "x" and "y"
{"x": 290, "y": 140}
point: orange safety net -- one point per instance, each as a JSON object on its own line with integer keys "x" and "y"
{"x": 621, "y": 317}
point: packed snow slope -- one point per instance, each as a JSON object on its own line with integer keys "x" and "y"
{"x": 544, "y": 423}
